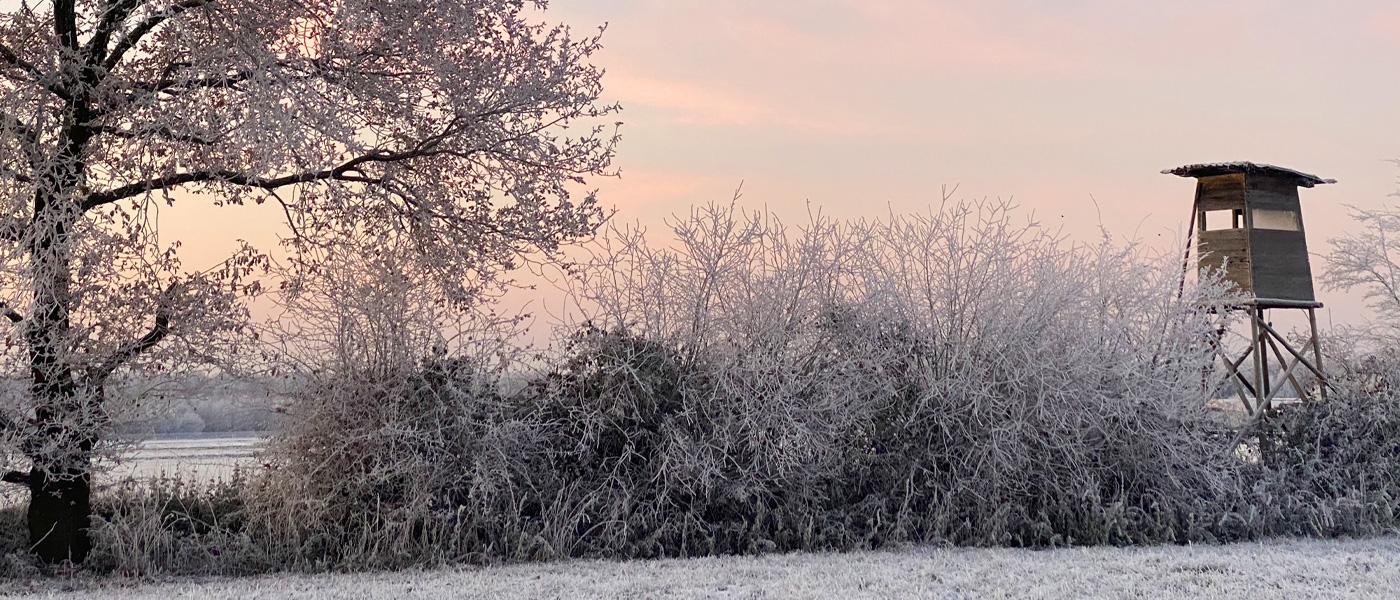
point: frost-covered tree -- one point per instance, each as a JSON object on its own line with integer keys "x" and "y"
{"x": 457, "y": 126}
{"x": 1368, "y": 259}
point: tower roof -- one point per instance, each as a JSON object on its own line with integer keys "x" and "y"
{"x": 1207, "y": 169}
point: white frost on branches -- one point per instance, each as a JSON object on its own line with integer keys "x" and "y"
{"x": 1368, "y": 259}
{"x": 455, "y": 127}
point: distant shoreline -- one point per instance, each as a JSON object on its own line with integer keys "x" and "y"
{"x": 200, "y": 435}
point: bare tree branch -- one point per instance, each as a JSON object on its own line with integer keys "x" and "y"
{"x": 133, "y": 37}
{"x": 27, "y": 133}
{"x": 29, "y": 143}
{"x": 10, "y": 313}
{"x": 163, "y": 132}
{"x": 346, "y": 171}
{"x": 170, "y": 83}
{"x": 14, "y": 59}
{"x": 65, "y": 23}
{"x": 158, "y": 331}
{"x": 114, "y": 14}
{"x": 9, "y": 56}
{"x": 12, "y": 229}
{"x": 231, "y": 177}
{"x": 16, "y": 477}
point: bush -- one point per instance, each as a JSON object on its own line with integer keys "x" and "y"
{"x": 956, "y": 377}
{"x": 647, "y": 455}
{"x": 953, "y": 376}
{"x": 1333, "y": 468}
{"x": 399, "y": 468}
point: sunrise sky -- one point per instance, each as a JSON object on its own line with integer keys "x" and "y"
{"x": 857, "y": 105}
{"x": 863, "y": 105}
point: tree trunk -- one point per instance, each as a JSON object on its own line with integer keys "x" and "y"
{"x": 60, "y": 482}
{"x": 64, "y": 416}
{"x": 59, "y": 510}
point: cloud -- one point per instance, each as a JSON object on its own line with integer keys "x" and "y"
{"x": 827, "y": 68}
{"x": 687, "y": 101}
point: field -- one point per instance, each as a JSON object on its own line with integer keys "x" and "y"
{"x": 1304, "y": 568}
{"x": 194, "y": 456}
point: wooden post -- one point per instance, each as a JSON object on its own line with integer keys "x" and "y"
{"x": 1317, "y": 355}
{"x": 1266, "y": 392}
{"x": 1291, "y": 350}
{"x": 1259, "y": 362}
{"x": 1288, "y": 374}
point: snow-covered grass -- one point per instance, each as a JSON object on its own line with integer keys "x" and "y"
{"x": 1279, "y": 568}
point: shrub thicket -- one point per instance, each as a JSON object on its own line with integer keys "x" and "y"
{"x": 1333, "y": 468}
{"x": 955, "y": 377}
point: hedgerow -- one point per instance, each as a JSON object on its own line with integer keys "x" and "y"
{"x": 961, "y": 376}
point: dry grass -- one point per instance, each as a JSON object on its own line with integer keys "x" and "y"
{"x": 1278, "y": 568}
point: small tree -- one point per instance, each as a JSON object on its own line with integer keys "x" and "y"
{"x": 441, "y": 122}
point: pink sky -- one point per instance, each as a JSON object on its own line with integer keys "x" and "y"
{"x": 857, "y": 105}
{"x": 864, "y": 105}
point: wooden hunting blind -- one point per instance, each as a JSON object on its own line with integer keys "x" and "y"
{"x": 1248, "y": 224}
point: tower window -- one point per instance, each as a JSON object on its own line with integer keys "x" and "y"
{"x": 1214, "y": 220}
{"x": 1280, "y": 220}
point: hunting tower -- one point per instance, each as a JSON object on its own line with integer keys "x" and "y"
{"x": 1249, "y": 225}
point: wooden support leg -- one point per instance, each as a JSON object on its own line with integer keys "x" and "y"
{"x": 1258, "y": 392}
{"x": 1287, "y": 374}
{"x": 1267, "y": 392}
{"x": 1212, "y": 342}
{"x": 1260, "y": 378}
{"x": 1242, "y": 385}
{"x": 1291, "y": 350}
{"x": 1317, "y": 354}
{"x": 1238, "y": 381}
{"x": 1298, "y": 387}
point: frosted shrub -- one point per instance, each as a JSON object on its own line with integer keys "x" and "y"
{"x": 396, "y": 433}
{"x": 958, "y": 376}
{"x": 955, "y": 375}
{"x": 752, "y": 401}
{"x": 657, "y": 452}
{"x": 173, "y": 525}
{"x": 1333, "y": 468}
{"x": 1051, "y": 393}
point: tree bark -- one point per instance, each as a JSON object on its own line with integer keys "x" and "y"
{"x": 66, "y": 413}
{"x": 60, "y": 481}
{"x": 59, "y": 510}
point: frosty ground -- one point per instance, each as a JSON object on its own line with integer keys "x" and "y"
{"x": 1367, "y": 568}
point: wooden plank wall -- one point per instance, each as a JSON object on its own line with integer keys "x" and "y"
{"x": 1264, "y": 263}
{"x": 1228, "y": 248}
{"x": 1280, "y": 258}
{"x": 1225, "y": 247}
{"x": 1280, "y": 264}
{"x": 1264, "y": 191}
{"x": 1218, "y": 192}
